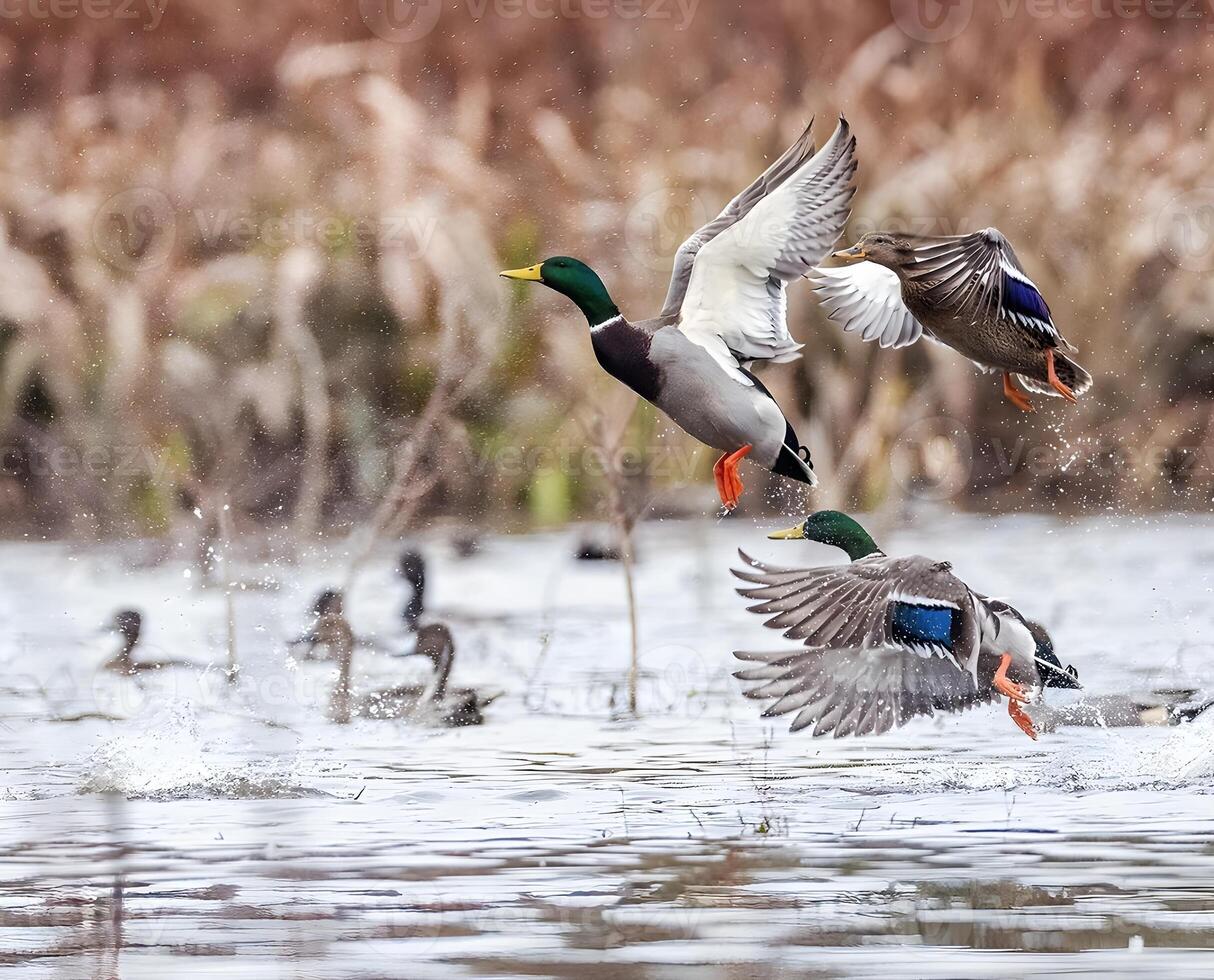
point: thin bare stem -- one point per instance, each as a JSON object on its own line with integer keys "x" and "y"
{"x": 409, "y": 483}
{"x": 224, "y": 520}
{"x": 623, "y": 518}
{"x": 297, "y": 270}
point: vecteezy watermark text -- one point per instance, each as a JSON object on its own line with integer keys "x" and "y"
{"x": 147, "y": 13}
{"x": 136, "y": 229}
{"x": 402, "y": 21}
{"x": 938, "y": 21}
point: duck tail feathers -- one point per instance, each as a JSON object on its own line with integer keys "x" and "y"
{"x": 1069, "y": 373}
{"x": 794, "y": 462}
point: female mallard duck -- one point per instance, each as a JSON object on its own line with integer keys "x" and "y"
{"x": 888, "y": 638}
{"x": 433, "y": 703}
{"x": 726, "y": 309}
{"x": 968, "y": 292}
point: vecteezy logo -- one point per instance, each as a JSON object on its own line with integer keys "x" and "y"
{"x": 657, "y": 224}
{"x": 400, "y": 21}
{"x": 932, "y": 459}
{"x": 934, "y": 21}
{"x": 1185, "y": 230}
{"x": 135, "y": 229}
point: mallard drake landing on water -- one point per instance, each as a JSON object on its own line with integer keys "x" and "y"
{"x": 968, "y": 292}
{"x": 128, "y": 624}
{"x": 725, "y": 309}
{"x": 888, "y": 639}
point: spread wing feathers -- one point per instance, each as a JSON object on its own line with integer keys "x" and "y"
{"x": 735, "y": 302}
{"x": 866, "y": 298}
{"x": 875, "y": 602}
{"x": 856, "y": 691}
{"x": 738, "y": 208}
{"x": 981, "y": 274}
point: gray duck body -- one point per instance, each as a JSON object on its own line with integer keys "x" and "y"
{"x": 657, "y": 361}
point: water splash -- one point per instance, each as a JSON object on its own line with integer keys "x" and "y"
{"x": 170, "y": 760}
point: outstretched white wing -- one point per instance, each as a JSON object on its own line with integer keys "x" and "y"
{"x": 866, "y": 298}
{"x": 735, "y": 305}
{"x": 787, "y": 163}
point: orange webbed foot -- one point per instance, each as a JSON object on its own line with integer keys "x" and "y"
{"x": 729, "y": 484}
{"x": 1016, "y": 695}
{"x": 1021, "y": 718}
{"x": 1055, "y": 383}
{"x": 1014, "y": 395}
{"x": 1009, "y": 689}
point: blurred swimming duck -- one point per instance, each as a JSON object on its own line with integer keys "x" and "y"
{"x": 412, "y": 569}
{"x": 328, "y": 631}
{"x": 725, "y": 309}
{"x": 128, "y": 624}
{"x": 968, "y": 292}
{"x": 433, "y": 703}
{"x": 888, "y": 638}
{"x": 1160, "y": 709}
{"x": 593, "y": 549}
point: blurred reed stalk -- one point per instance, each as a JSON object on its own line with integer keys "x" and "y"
{"x": 252, "y": 273}
{"x": 226, "y": 543}
{"x": 624, "y": 507}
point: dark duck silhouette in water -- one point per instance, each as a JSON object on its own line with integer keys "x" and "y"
{"x": 412, "y": 569}
{"x": 726, "y": 309}
{"x": 968, "y": 292}
{"x": 128, "y": 624}
{"x": 433, "y": 703}
{"x": 888, "y": 639}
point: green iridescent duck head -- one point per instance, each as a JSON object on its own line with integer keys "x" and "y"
{"x": 833, "y": 528}
{"x": 575, "y": 279}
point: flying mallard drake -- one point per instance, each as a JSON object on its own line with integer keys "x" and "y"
{"x": 888, "y": 639}
{"x": 725, "y": 309}
{"x": 968, "y": 292}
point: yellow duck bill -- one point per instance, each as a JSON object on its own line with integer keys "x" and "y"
{"x": 791, "y": 534}
{"x": 530, "y": 274}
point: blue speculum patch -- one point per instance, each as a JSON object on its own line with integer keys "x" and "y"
{"x": 923, "y": 624}
{"x": 1020, "y": 297}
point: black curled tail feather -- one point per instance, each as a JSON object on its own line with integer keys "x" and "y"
{"x": 794, "y": 462}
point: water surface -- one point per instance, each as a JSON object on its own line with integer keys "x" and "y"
{"x": 214, "y": 831}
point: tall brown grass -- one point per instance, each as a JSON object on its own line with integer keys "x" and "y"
{"x": 240, "y": 251}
